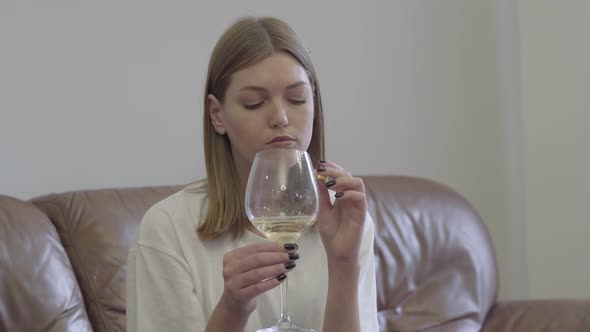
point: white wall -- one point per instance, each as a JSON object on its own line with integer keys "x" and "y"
{"x": 556, "y": 109}
{"x": 107, "y": 93}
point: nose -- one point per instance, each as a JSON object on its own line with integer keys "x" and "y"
{"x": 278, "y": 116}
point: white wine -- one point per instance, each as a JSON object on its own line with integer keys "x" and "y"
{"x": 283, "y": 229}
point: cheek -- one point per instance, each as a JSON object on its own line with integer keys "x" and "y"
{"x": 243, "y": 134}
{"x": 239, "y": 131}
{"x": 309, "y": 124}
{"x": 235, "y": 123}
{"x": 306, "y": 127}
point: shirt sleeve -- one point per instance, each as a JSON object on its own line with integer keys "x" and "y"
{"x": 160, "y": 291}
{"x": 367, "y": 281}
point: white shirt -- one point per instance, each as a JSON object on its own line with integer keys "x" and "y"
{"x": 174, "y": 280}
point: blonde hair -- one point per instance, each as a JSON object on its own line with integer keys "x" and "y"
{"x": 246, "y": 42}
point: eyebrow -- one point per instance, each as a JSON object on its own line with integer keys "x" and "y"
{"x": 259, "y": 88}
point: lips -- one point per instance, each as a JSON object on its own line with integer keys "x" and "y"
{"x": 282, "y": 139}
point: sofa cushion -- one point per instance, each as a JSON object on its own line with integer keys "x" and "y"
{"x": 38, "y": 289}
{"x": 96, "y": 228}
{"x": 556, "y": 315}
{"x": 435, "y": 262}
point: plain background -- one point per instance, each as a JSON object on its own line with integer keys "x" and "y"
{"x": 488, "y": 97}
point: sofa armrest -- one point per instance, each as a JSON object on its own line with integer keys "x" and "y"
{"x": 539, "y": 315}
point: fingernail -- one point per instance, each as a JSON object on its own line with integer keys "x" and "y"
{"x": 338, "y": 195}
{"x": 290, "y": 265}
{"x": 293, "y": 256}
{"x": 291, "y": 246}
{"x": 321, "y": 169}
{"x": 322, "y": 161}
{"x": 330, "y": 183}
{"x": 281, "y": 277}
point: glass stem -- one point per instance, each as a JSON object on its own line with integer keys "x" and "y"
{"x": 285, "y": 319}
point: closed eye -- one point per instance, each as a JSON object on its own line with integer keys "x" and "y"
{"x": 254, "y": 106}
{"x": 297, "y": 101}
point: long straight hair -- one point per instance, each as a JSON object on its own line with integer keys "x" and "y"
{"x": 246, "y": 42}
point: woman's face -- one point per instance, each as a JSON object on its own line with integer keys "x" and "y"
{"x": 267, "y": 105}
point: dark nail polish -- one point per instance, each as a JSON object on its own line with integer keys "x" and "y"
{"x": 290, "y": 265}
{"x": 321, "y": 169}
{"x": 281, "y": 277}
{"x": 322, "y": 161}
{"x": 330, "y": 183}
{"x": 291, "y": 246}
{"x": 293, "y": 256}
{"x": 338, "y": 195}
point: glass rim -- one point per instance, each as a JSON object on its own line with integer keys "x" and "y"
{"x": 262, "y": 153}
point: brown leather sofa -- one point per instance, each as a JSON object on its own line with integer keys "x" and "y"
{"x": 62, "y": 262}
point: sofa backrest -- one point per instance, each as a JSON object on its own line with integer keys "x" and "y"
{"x": 435, "y": 261}
{"x": 38, "y": 289}
{"x": 96, "y": 228}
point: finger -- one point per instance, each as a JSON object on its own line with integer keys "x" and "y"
{"x": 343, "y": 184}
{"x": 353, "y": 198}
{"x": 258, "y": 260}
{"x": 260, "y": 274}
{"x": 252, "y": 249}
{"x": 333, "y": 172}
{"x": 256, "y": 289}
{"x": 324, "y": 196}
{"x": 327, "y": 163}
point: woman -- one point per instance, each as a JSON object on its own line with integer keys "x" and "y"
{"x": 198, "y": 264}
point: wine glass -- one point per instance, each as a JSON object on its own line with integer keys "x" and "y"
{"x": 282, "y": 203}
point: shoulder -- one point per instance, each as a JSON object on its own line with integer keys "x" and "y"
{"x": 186, "y": 201}
{"x": 175, "y": 214}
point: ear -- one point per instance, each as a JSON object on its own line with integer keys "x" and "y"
{"x": 214, "y": 108}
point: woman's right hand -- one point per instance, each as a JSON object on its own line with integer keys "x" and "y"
{"x": 252, "y": 270}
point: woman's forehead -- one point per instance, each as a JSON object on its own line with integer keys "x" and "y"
{"x": 280, "y": 70}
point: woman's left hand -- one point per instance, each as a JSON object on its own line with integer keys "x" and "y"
{"x": 341, "y": 224}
